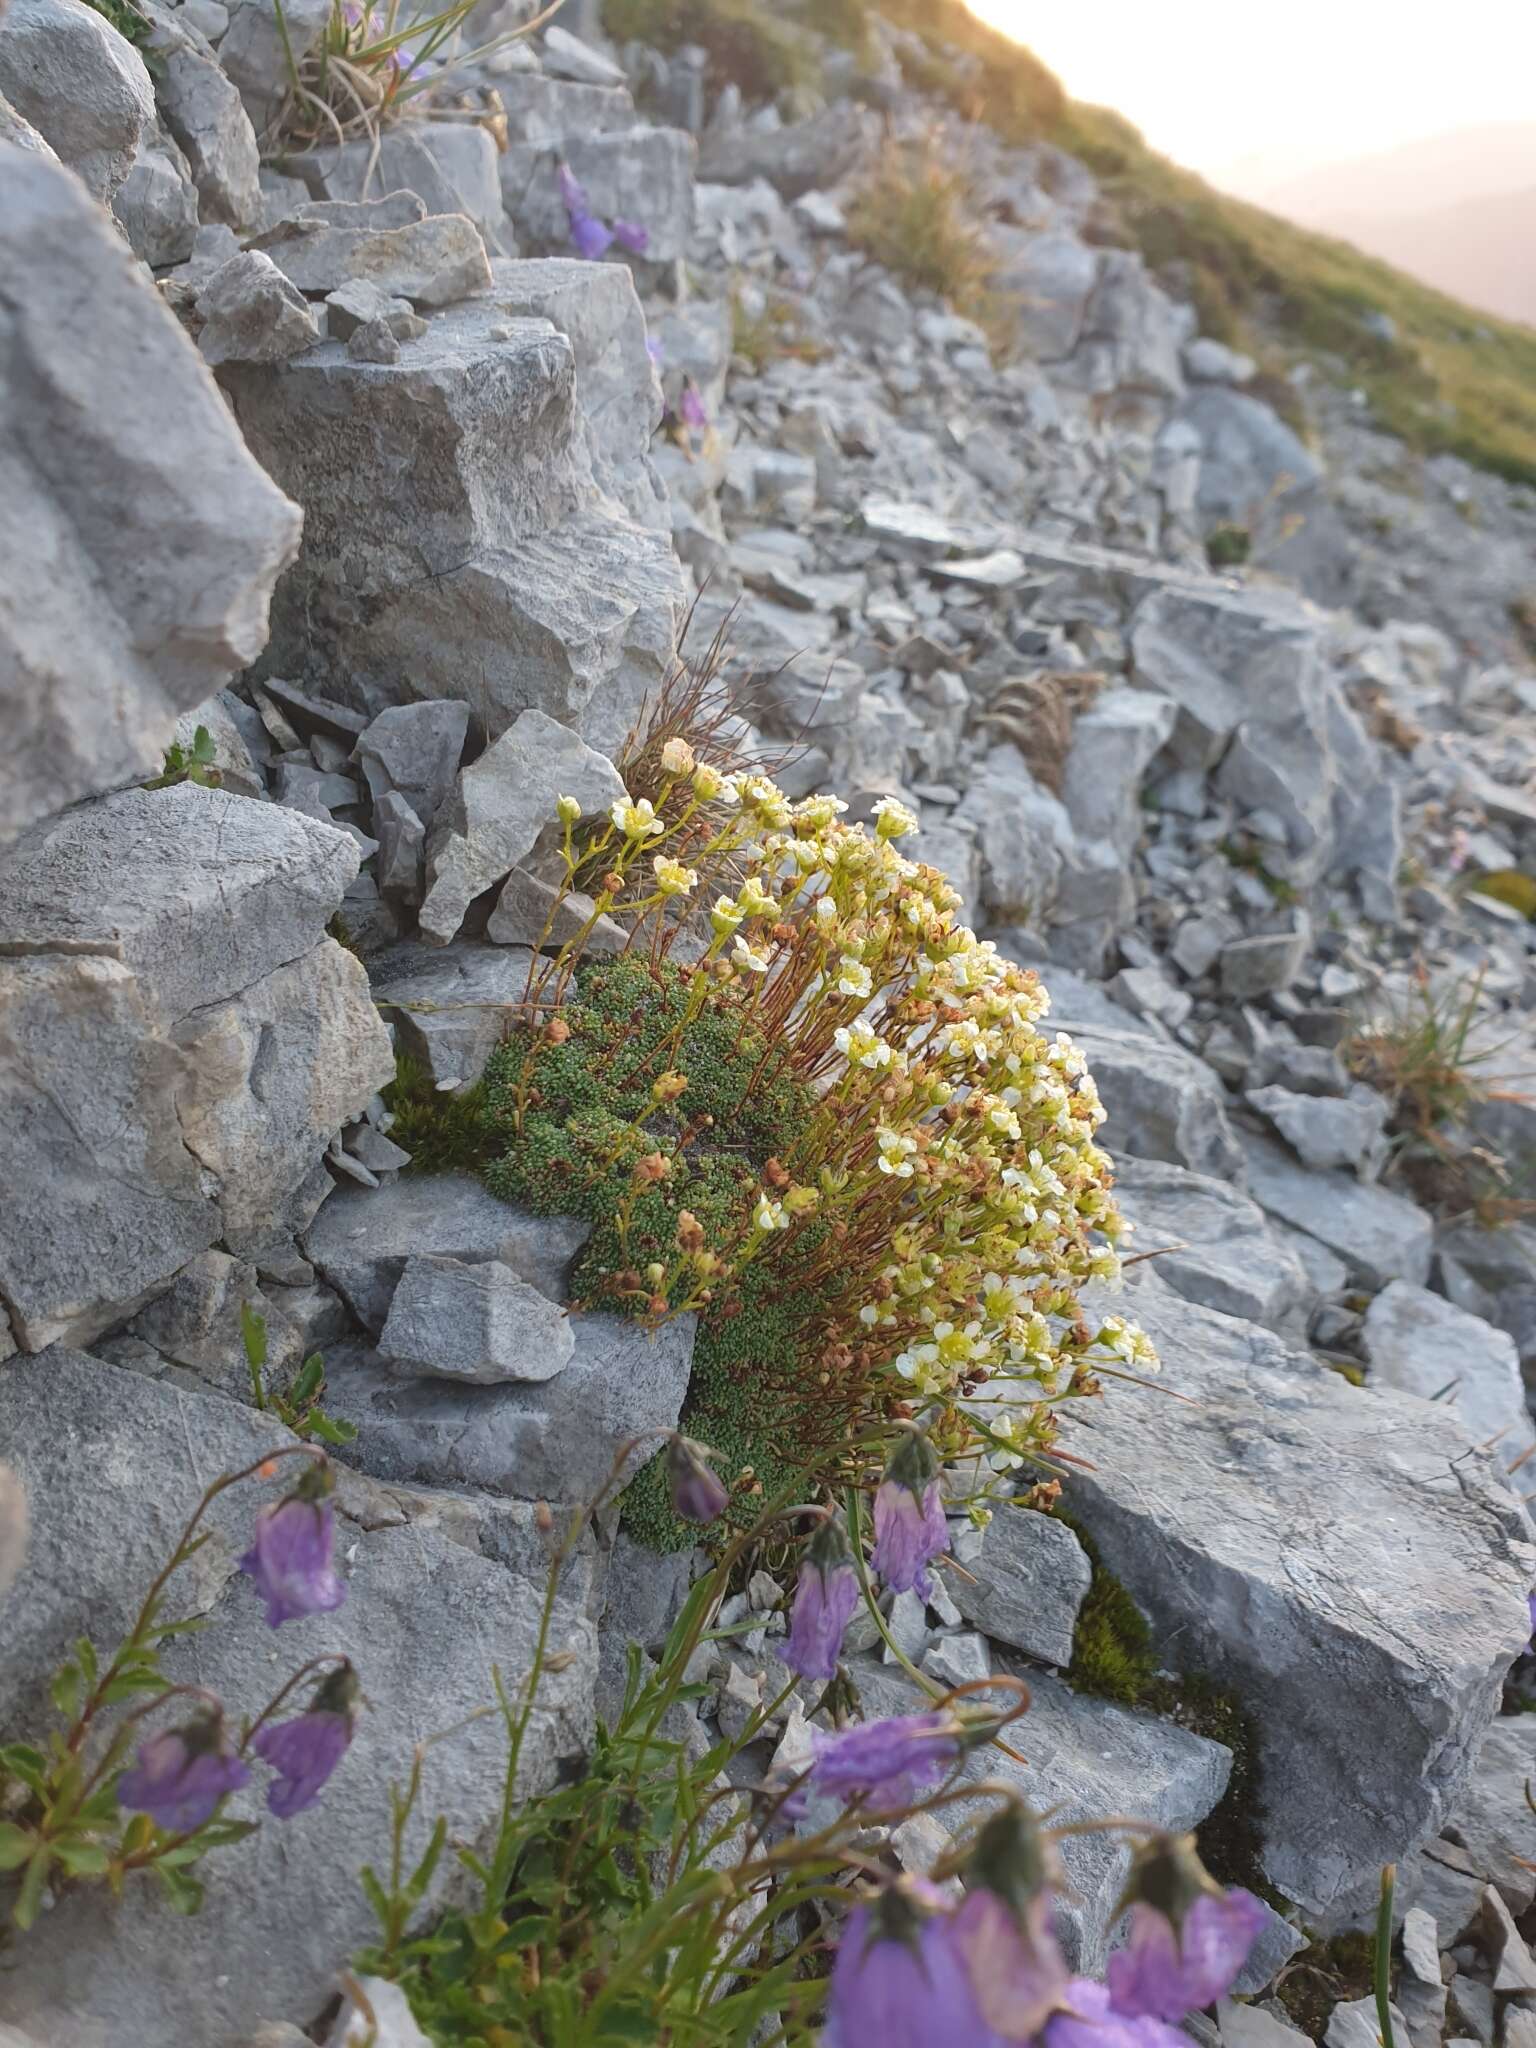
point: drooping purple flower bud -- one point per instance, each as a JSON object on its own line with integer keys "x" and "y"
{"x": 589, "y": 237}
{"x": 1530, "y": 1607}
{"x": 898, "y": 1982}
{"x": 1089, "y": 2020}
{"x": 886, "y": 1764}
{"x": 573, "y": 194}
{"x": 290, "y": 1558}
{"x": 630, "y": 235}
{"x": 182, "y": 1774}
{"x": 691, "y": 408}
{"x": 1002, "y": 1930}
{"x": 305, "y": 1750}
{"x": 1189, "y": 1939}
{"x": 826, "y": 1593}
{"x": 698, "y": 1493}
{"x": 910, "y": 1529}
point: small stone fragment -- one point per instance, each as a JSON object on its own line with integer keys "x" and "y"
{"x": 478, "y": 1324}
{"x": 252, "y": 314}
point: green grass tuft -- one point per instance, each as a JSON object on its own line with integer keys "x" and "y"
{"x": 444, "y": 1130}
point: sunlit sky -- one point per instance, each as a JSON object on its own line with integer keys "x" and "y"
{"x": 1294, "y": 83}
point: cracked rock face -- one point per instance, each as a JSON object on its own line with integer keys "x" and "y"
{"x": 138, "y": 550}
{"x": 429, "y": 1609}
{"x": 1344, "y": 1560}
{"x": 178, "y": 1043}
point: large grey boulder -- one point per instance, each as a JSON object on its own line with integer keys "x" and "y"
{"x": 426, "y": 1616}
{"x": 502, "y": 805}
{"x": 476, "y": 1325}
{"x": 1343, "y": 1559}
{"x": 559, "y": 1440}
{"x": 1379, "y": 1235}
{"x": 362, "y": 1238}
{"x": 1024, "y": 1583}
{"x": 178, "y": 1043}
{"x": 493, "y": 556}
{"x": 1425, "y": 1345}
{"x": 1086, "y": 1759}
{"x": 1053, "y": 275}
{"x": 138, "y": 550}
{"x": 1213, "y": 1245}
{"x": 81, "y": 85}
{"x": 1163, "y": 1102}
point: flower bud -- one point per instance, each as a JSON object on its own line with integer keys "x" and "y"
{"x": 677, "y": 757}
{"x": 698, "y": 1492}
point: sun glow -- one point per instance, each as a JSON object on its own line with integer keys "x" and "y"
{"x": 1217, "y": 84}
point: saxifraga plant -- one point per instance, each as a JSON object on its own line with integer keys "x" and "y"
{"x": 820, "y": 1116}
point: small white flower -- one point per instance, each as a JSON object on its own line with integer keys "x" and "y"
{"x": 770, "y": 1214}
{"x": 853, "y": 978}
{"x": 749, "y": 961}
{"x": 892, "y": 819}
{"x": 637, "y": 820}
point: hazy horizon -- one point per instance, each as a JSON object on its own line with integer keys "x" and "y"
{"x": 1255, "y": 101}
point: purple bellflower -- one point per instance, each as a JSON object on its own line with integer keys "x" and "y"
{"x": 691, "y": 409}
{"x": 631, "y": 236}
{"x": 699, "y": 1494}
{"x": 305, "y": 1750}
{"x": 1002, "y": 1929}
{"x": 826, "y": 1593}
{"x": 887, "y": 1764}
{"x": 910, "y": 1529}
{"x": 898, "y": 1982}
{"x": 1189, "y": 1939}
{"x": 290, "y": 1557}
{"x": 589, "y": 237}
{"x": 1089, "y": 2020}
{"x": 182, "y": 1774}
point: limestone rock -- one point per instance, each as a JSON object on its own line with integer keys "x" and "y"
{"x": 252, "y": 314}
{"x": 330, "y": 243}
{"x": 81, "y": 85}
{"x": 644, "y": 175}
{"x": 1367, "y": 1637}
{"x": 204, "y": 112}
{"x": 1379, "y": 1235}
{"x": 258, "y": 48}
{"x": 554, "y": 1441}
{"x": 362, "y": 1238}
{"x": 452, "y": 1009}
{"x": 180, "y": 1041}
{"x": 502, "y": 805}
{"x": 473, "y": 1324}
{"x": 493, "y": 554}
{"x": 415, "y": 749}
{"x": 1163, "y": 1103}
{"x": 137, "y": 552}
{"x": 1423, "y": 1344}
{"x": 157, "y": 202}
{"x": 1328, "y": 1131}
{"x": 1214, "y": 1246}
{"x": 450, "y": 165}
{"x": 1027, "y": 1580}
{"x": 424, "y": 1620}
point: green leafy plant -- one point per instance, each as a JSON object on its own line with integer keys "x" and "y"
{"x": 69, "y": 1816}
{"x": 300, "y": 1407}
{"x": 189, "y": 764}
{"x": 1228, "y": 546}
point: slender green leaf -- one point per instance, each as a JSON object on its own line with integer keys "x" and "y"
{"x": 82, "y": 1859}
{"x": 30, "y": 1898}
{"x": 22, "y": 1761}
{"x": 67, "y": 1690}
{"x": 330, "y": 1428}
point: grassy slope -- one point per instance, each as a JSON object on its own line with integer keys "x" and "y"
{"x": 1449, "y": 379}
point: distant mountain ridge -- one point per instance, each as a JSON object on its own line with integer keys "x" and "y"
{"x": 1457, "y": 210}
